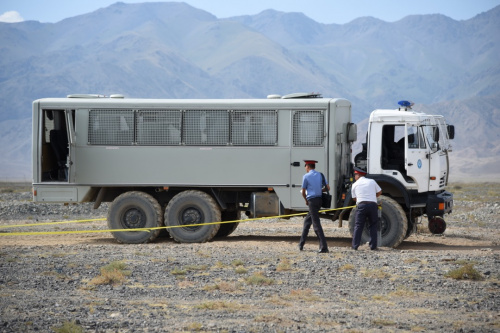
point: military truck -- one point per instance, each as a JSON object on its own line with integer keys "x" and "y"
{"x": 186, "y": 163}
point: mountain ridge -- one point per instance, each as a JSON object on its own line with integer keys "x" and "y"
{"x": 173, "y": 50}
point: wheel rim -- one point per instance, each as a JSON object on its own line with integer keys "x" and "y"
{"x": 385, "y": 227}
{"x": 134, "y": 218}
{"x": 191, "y": 215}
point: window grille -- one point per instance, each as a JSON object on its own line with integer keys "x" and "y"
{"x": 308, "y": 128}
{"x": 111, "y": 127}
{"x": 158, "y": 127}
{"x": 206, "y": 127}
{"x": 258, "y": 128}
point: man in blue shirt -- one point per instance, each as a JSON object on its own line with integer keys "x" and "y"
{"x": 312, "y": 187}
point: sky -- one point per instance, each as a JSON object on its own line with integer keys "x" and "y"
{"x": 323, "y": 11}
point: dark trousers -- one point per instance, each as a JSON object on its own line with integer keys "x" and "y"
{"x": 365, "y": 211}
{"x": 313, "y": 218}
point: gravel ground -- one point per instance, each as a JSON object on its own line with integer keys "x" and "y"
{"x": 256, "y": 280}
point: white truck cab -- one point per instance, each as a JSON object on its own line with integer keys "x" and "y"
{"x": 407, "y": 154}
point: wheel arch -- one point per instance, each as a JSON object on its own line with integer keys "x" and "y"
{"x": 392, "y": 188}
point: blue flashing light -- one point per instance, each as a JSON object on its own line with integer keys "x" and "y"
{"x": 406, "y": 104}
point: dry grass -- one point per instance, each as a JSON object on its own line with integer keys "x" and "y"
{"x": 378, "y": 273}
{"x": 466, "y": 272}
{"x": 346, "y": 267}
{"x": 258, "y": 278}
{"x": 114, "y": 273}
{"x": 284, "y": 265}
{"x": 68, "y": 327}
{"x": 218, "y": 305}
{"x": 303, "y": 295}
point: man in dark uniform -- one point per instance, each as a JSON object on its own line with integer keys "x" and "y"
{"x": 312, "y": 187}
{"x": 365, "y": 192}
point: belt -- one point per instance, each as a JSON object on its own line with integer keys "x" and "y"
{"x": 366, "y": 202}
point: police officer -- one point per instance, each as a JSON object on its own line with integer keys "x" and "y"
{"x": 365, "y": 192}
{"x": 312, "y": 187}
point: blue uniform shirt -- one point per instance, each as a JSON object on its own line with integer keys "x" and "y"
{"x": 313, "y": 183}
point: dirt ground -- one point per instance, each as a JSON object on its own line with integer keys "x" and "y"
{"x": 48, "y": 281}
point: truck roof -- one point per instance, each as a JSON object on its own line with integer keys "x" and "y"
{"x": 394, "y": 115}
{"x": 97, "y": 101}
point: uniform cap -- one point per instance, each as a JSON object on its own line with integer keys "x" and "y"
{"x": 310, "y": 162}
{"x": 359, "y": 171}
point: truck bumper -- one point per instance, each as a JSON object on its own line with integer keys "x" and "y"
{"x": 439, "y": 204}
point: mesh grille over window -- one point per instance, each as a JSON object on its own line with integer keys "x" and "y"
{"x": 308, "y": 128}
{"x": 111, "y": 127}
{"x": 206, "y": 127}
{"x": 259, "y": 128}
{"x": 159, "y": 127}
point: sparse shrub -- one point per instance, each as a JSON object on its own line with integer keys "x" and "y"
{"x": 376, "y": 273}
{"x": 259, "y": 279}
{"x": 383, "y": 322}
{"x": 194, "y": 327}
{"x": 302, "y": 294}
{"x": 178, "y": 271}
{"x": 114, "y": 273}
{"x": 217, "y": 305}
{"x": 346, "y": 267}
{"x": 241, "y": 270}
{"x": 68, "y": 327}
{"x": 195, "y": 267}
{"x": 466, "y": 272}
{"x": 237, "y": 262}
{"x": 284, "y": 265}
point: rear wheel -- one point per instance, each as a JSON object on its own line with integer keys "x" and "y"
{"x": 192, "y": 209}
{"x": 394, "y": 224}
{"x": 135, "y": 210}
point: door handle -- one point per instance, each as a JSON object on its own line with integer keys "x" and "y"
{"x": 410, "y": 164}
{"x": 295, "y": 164}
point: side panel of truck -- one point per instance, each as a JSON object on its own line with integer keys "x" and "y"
{"x": 301, "y": 129}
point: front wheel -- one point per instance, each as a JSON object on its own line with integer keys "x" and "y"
{"x": 135, "y": 210}
{"x": 194, "y": 210}
{"x": 394, "y": 223}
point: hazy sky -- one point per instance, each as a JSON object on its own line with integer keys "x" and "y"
{"x": 323, "y": 11}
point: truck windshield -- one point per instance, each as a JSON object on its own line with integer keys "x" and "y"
{"x": 437, "y": 135}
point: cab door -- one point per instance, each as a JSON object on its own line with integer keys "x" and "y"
{"x": 417, "y": 163}
{"x": 308, "y": 143}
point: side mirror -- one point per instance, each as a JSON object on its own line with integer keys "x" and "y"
{"x": 352, "y": 132}
{"x": 434, "y": 147}
{"x": 451, "y": 132}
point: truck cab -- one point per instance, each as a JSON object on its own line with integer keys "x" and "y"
{"x": 406, "y": 152}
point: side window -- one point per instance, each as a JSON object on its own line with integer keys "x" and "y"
{"x": 158, "y": 127}
{"x": 415, "y": 138}
{"x": 111, "y": 127}
{"x": 206, "y": 127}
{"x": 258, "y": 128}
{"x": 308, "y": 128}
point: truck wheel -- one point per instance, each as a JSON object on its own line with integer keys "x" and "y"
{"x": 189, "y": 208}
{"x": 394, "y": 223}
{"x": 132, "y": 210}
{"x": 227, "y": 229}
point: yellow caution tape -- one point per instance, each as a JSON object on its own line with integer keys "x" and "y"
{"x": 48, "y": 223}
{"x": 136, "y": 229}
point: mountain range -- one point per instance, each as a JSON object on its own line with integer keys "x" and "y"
{"x": 173, "y": 50}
